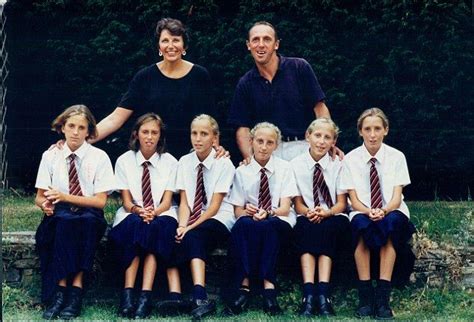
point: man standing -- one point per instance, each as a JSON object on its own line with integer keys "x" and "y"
{"x": 280, "y": 90}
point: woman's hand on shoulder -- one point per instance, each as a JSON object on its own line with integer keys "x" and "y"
{"x": 336, "y": 152}
{"x": 59, "y": 145}
{"x": 246, "y": 161}
{"x": 221, "y": 152}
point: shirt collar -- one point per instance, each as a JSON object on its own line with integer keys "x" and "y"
{"x": 281, "y": 66}
{"x": 323, "y": 162}
{"x": 80, "y": 153}
{"x": 380, "y": 155}
{"x": 208, "y": 162}
{"x": 255, "y": 166}
{"x": 153, "y": 159}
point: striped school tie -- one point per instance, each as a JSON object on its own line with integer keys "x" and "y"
{"x": 146, "y": 186}
{"x": 319, "y": 185}
{"x": 264, "y": 197}
{"x": 375, "y": 191}
{"x": 74, "y": 185}
{"x": 200, "y": 198}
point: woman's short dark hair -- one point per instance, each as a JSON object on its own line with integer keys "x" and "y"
{"x": 61, "y": 119}
{"x": 134, "y": 144}
{"x": 174, "y": 26}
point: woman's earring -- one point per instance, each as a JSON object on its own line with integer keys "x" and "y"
{"x": 184, "y": 52}
{"x": 160, "y": 53}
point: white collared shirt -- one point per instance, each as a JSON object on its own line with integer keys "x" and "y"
{"x": 129, "y": 172}
{"x": 218, "y": 176}
{"x": 303, "y": 168}
{"x": 281, "y": 182}
{"x": 392, "y": 169}
{"x": 93, "y": 166}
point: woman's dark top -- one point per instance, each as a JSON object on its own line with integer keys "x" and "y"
{"x": 177, "y": 101}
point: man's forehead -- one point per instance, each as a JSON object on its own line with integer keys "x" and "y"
{"x": 260, "y": 31}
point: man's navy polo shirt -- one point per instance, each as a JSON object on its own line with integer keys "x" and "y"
{"x": 287, "y": 101}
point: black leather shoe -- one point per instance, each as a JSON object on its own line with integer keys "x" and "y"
{"x": 73, "y": 306}
{"x": 308, "y": 309}
{"x": 383, "y": 312}
{"x": 59, "y": 301}
{"x": 366, "y": 303}
{"x": 144, "y": 305}
{"x": 270, "y": 306}
{"x": 382, "y": 304}
{"x": 324, "y": 306}
{"x": 239, "y": 304}
{"x": 127, "y": 307}
{"x": 202, "y": 308}
{"x": 174, "y": 307}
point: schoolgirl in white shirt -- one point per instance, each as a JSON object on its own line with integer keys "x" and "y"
{"x": 72, "y": 184}
{"x": 205, "y": 218}
{"x": 261, "y": 195}
{"x": 321, "y": 222}
{"x": 374, "y": 175}
{"x": 144, "y": 226}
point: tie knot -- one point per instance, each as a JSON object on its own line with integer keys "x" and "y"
{"x": 200, "y": 166}
{"x": 145, "y": 164}
{"x": 72, "y": 157}
{"x": 317, "y": 166}
{"x": 263, "y": 171}
{"x": 373, "y": 160}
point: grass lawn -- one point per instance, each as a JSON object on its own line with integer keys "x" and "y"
{"x": 445, "y": 222}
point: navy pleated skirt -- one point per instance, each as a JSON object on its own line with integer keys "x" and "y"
{"x": 66, "y": 243}
{"x": 320, "y": 239}
{"x": 255, "y": 246}
{"x": 198, "y": 242}
{"x": 376, "y": 233}
{"x": 133, "y": 237}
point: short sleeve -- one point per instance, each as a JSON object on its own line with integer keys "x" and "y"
{"x": 104, "y": 180}
{"x": 226, "y": 177}
{"x": 121, "y": 175}
{"x": 239, "y": 113}
{"x": 339, "y": 190}
{"x": 180, "y": 176}
{"x": 310, "y": 84}
{"x": 172, "y": 184}
{"x": 237, "y": 194}
{"x": 403, "y": 177}
{"x": 44, "y": 176}
{"x": 289, "y": 188}
{"x": 346, "y": 181}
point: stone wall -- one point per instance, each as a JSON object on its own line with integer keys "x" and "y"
{"x": 435, "y": 266}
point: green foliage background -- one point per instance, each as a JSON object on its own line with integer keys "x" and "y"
{"x": 415, "y": 59}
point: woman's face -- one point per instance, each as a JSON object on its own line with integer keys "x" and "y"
{"x": 321, "y": 140}
{"x": 76, "y": 131}
{"x": 170, "y": 46}
{"x": 264, "y": 143}
{"x": 373, "y": 132}
{"x": 148, "y": 137}
{"x": 202, "y": 138}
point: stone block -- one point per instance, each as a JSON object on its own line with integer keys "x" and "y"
{"x": 13, "y": 275}
{"x": 26, "y": 263}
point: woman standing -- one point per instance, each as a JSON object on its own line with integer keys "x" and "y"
{"x": 174, "y": 88}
